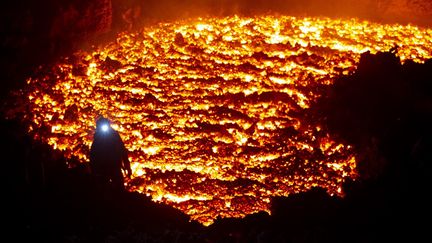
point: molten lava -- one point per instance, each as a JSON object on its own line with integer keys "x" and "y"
{"x": 213, "y": 111}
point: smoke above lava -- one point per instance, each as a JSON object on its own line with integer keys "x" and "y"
{"x": 417, "y": 12}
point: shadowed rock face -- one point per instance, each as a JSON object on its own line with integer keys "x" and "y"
{"x": 74, "y": 20}
{"x": 80, "y": 19}
{"x": 37, "y": 32}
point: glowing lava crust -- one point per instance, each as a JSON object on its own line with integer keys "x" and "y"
{"x": 214, "y": 111}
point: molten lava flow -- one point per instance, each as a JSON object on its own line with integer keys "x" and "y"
{"x": 213, "y": 110}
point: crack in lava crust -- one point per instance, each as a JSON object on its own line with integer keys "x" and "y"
{"x": 213, "y": 111}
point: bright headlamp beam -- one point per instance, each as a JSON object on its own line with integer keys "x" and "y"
{"x": 104, "y": 128}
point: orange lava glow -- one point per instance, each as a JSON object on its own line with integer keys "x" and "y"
{"x": 214, "y": 111}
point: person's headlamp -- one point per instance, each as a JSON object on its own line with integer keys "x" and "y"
{"x": 104, "y": 128}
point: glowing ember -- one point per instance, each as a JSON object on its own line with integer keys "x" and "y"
{"x": 213, "y": 110}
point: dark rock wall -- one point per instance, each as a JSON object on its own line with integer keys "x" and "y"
{"x": 32, "y": 33}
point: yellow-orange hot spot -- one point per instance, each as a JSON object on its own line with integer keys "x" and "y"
{"x": 213, "y": 110}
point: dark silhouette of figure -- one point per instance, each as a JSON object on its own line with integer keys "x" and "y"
{"x": 108, "y": 155}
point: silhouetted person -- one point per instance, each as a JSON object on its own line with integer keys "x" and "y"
{"x": 108, "y": 155}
